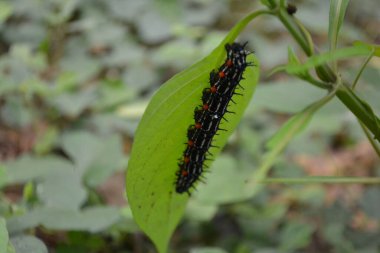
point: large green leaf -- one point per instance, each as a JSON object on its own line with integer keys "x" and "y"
{"x": 160, "y": 138}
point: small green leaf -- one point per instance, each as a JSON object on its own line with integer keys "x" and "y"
{"x": 160, "y": 138}
{"x": 293, "y": 59}
{"x": 374, "y": 47}
{"x": 317, "y": 60}
{"x": 28, "y": 193}
{"x": 45, "y": 142}
{"x": 337, "y": 12}
{"x": 336, "y": 16}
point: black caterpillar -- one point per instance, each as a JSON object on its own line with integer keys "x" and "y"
{"x": 215, "y": 99}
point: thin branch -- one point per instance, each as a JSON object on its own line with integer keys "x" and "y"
{"x": 322, "y": 180}
{"x": 362, "y": 69}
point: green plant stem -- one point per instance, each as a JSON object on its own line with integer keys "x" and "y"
{"x": 374, "y": 144}
{"x": 362, "y": 69}
{"x": 353, "y": 102}
{"x": 324, "y": 72}
{"x": 322, "y": 180}
{"x": 292, "y": 27}
{"x": 317, "y": 83}
{"x": 305, "y": 34}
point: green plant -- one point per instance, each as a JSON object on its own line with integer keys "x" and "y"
{"x": 150, "y": 177}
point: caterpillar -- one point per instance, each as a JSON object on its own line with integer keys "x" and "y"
{"x": 208, "y": 116}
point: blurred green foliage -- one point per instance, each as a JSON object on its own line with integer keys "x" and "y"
{"x": 75, "y": 77}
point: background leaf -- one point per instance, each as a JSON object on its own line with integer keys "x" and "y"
{"x": 63, "y": 189}
{"x": 28, "y": 168}
{"x": 95, "y": 157}
{"x": 3, "y": 236}
{"x": 208, "y": 250}
{"x": 3, "y": 176}
{"x": 94, "y": 219}
{"x": 299, "y": 95}
{"x": 230, "y": 174}
{"x": 374, "y": 47}
{"x": 28, "y": 244}
{"x": 5, "y": 11}
{"x": 370, "y": 202}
